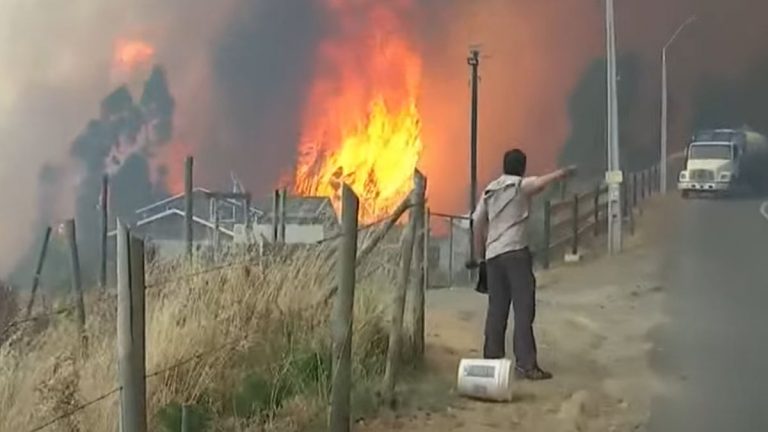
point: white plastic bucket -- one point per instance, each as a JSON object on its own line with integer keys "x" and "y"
{"x": 485, "y": 379}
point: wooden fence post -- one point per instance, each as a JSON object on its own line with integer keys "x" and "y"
{"x": 647, "y": 183}
{"x": 77, "y": 287}
{"x": 184, "y": 419}
{"x": 417, "y": 285}
{"x": 247, "y": 218}
{"x": 575, "y": 225}
{"x": 547, "y": 234}
{"x": 398, "y": 303}
{"x": 130, "y": 341}
{"x": 38, "y": 271}
{"x": 216, "y": 226}
{"x": 596, "y": 204}
{"x": 635, "y": 198}
{"x": 189, "y": 206}
{"x": 138, "y": 317}
{"x": 341, "y": 321}
{"x": 275, "y": 216}
{"x": 283, "y": 213}
{"x": 104, "y": 232}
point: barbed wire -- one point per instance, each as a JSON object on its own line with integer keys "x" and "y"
{"x": 197, "y": 356}
{"x": 34, "y": 318}
{"x": 203, "y": 272}
{"x": 76, "y": 410}
{"x": 360, "y": 228}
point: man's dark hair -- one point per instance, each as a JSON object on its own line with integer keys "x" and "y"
{"x": 514, "y": 162}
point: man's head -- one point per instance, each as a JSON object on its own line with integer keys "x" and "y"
{"x": 514, "y": 162}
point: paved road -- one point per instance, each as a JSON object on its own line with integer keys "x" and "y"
{"x": 714, "y": 350}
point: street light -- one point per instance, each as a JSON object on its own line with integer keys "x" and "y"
{"x": 664, "y": 105}
{"x": 613, "y": 175}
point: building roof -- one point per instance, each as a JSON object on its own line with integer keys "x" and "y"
{"x": 298, "y": 206}
{"x": 196, "y": 191}
{"x": 176, "y": 212}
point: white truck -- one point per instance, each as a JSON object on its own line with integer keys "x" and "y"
{"x": 723, "y": 161}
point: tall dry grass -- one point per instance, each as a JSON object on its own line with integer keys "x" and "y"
{"x": 247, "y": 346}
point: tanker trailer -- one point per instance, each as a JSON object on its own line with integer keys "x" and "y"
{"x": 754, "y": 166}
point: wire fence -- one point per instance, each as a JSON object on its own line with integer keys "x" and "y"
{"x": 177, "y": 291}
{"x": 193, "y": 303}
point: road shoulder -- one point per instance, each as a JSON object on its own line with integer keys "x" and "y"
{"x": 593, "y": 325}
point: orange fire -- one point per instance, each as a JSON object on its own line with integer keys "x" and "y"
{"x": 130, "y": 55}
{"x": 362, "y": 123}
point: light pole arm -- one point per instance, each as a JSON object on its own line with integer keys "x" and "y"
{"x": 679, "y": 30}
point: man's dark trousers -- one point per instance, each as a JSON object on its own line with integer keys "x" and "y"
{"x": 511, "y": 280}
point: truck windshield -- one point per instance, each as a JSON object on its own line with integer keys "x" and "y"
{"x": 710, "y": 151}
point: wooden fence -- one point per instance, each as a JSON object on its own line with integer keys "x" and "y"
{"x": 559, "y": 226}
{"x": 406, "y": 332}
{"x": 568, "y": 223}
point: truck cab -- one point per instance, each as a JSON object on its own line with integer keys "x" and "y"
{"x": 713, "y": 162}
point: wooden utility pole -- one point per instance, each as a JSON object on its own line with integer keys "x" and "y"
{"x": 189, "y": 207}
{"x": 77, "y": 287}
{"x": 130, "y": 340}
{"x": 394, "y": 354}
{"x": 450, "y": 251}
{"x": 342, "y": 318}
{"x": 104, "y": 231}
{"x": 417, "y": 284}
{"x": 474, "y": 63}
{"x": 38, "y": 271}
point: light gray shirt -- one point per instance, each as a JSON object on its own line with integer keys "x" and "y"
{"x": 503, "y": 213}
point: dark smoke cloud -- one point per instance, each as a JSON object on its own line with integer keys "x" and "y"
{"x": 262, "y": 67}
{"x": 239, "y": 71}
{"x": 727, "y": 44}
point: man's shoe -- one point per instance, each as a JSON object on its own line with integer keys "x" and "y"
{"x": 535, "y": 374}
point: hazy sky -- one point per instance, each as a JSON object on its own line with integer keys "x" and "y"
{"x": 240, "y": 70}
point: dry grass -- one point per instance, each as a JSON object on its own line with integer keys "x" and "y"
{"x": 252, "y": 340}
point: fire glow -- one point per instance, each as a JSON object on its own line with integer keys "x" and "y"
{"x": 130, "y": 55}
{"x": 362, "y": 123}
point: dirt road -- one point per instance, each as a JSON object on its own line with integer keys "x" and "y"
{"x": 593, "y": 325}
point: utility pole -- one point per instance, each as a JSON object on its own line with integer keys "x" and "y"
{"x": 613, "y": 177}
{"x": 474, "y": 63}
{"x": 664, "y": 107}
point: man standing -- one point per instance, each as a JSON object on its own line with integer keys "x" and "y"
{"x": 501, "y": 239}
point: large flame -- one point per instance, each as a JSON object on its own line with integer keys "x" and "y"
{"x": 362, "y": 124}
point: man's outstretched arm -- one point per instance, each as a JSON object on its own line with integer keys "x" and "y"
{"x": 536, "y": 185}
